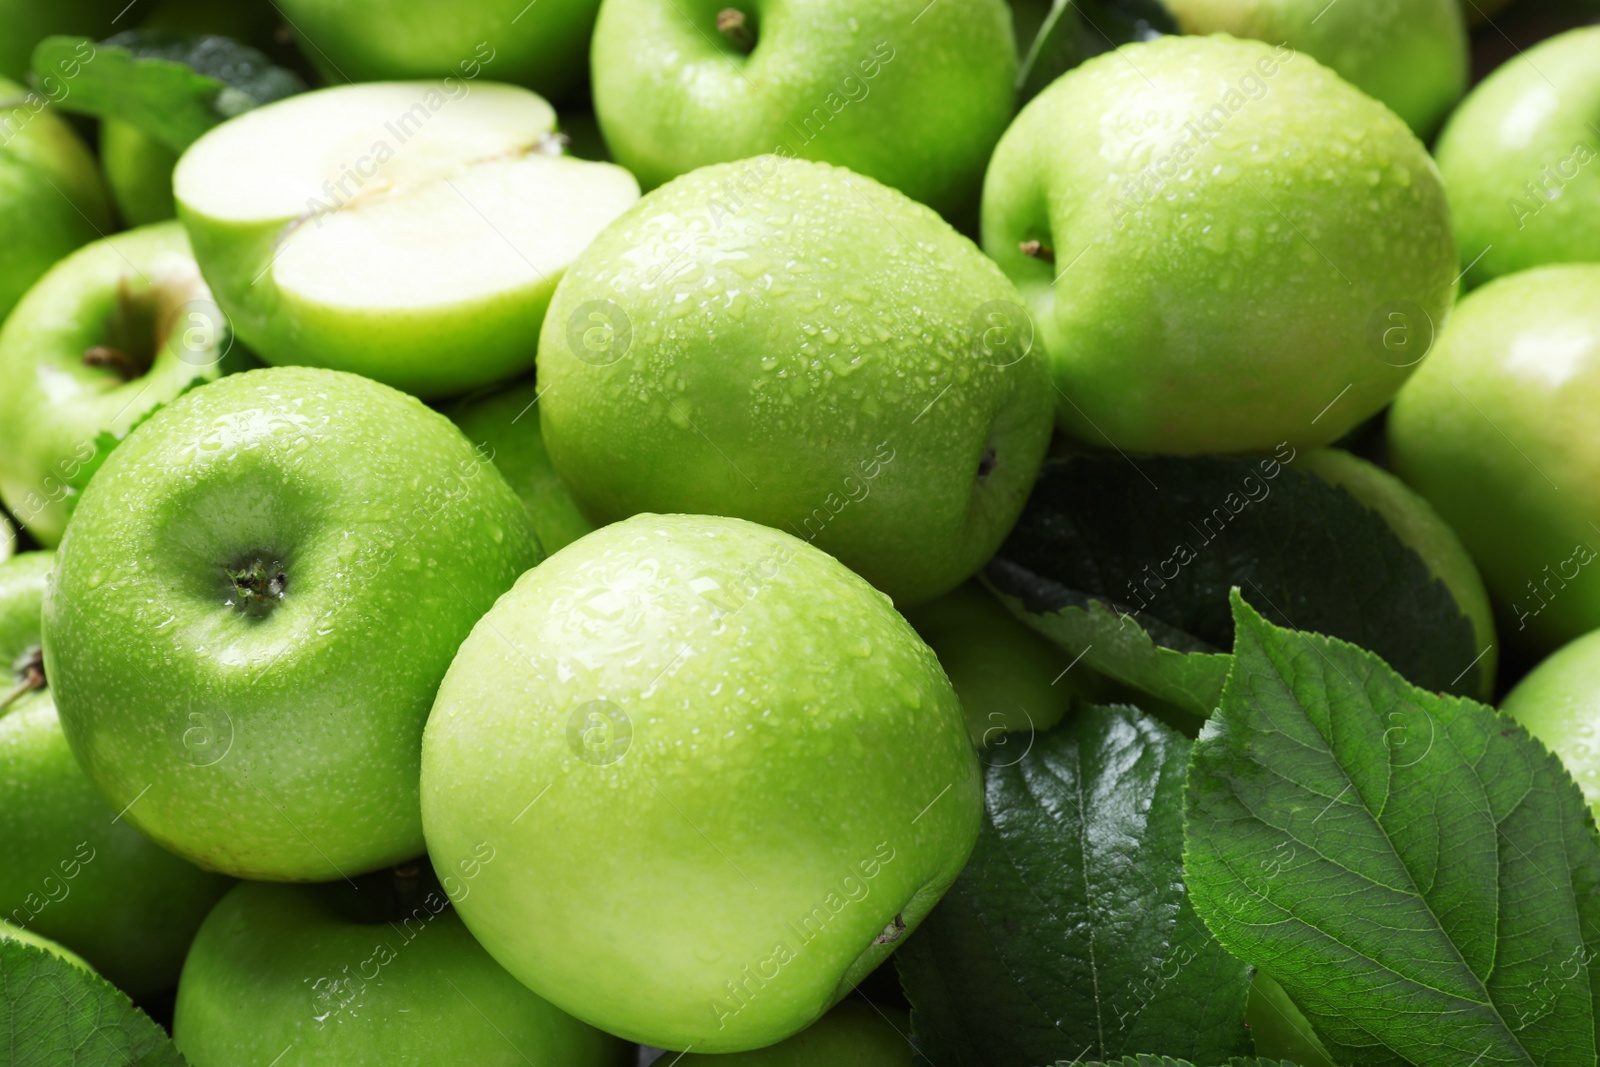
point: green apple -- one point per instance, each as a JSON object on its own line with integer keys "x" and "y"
{"x": 411, "y": 232}
{"x": 721, "y": 776}
{"x": 1421, "y": 529}
{"x": 1009, "y": 678}
{"x": 51, "y": 197}
{"x": 379, "y": 971}
{"x": 541, "y": 45}
{"x": 1521, "y": 161}
{"x": 27, "y": 22}
{"x": 253, "y": 606}
{"x": 1497, "y": 431}
{"x": 817, "y": 353}
{"x": 1212, "y": 235}
{"x": 74, "y": 871}
{"x": 911, "y": 93}
{"x": 1410, "y": 54}
{"x": 119, "y": 327}
{"x": 854, "y": 1034}
{"x": 138, "y": 170}
{"x": 8, "y": 538}
{"x": 505, "y": 426}
{"x": 1559, "y": 703}
{"x": 9, "y": 932}
{"x": 1280, "y": 1030}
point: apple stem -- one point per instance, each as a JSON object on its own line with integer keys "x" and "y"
{"x": 114, "y": 358}
{"x": 1038, "y": 251}
{"x": 32, "y": 678}
{"x": 735, "y": 26}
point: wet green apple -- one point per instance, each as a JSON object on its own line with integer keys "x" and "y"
{"x": 821, "y": 354}
{"x": 138, "y": 170}
{"x": 912, "y": 94}
{"x": 1410, "y": 54}
{"x": 721, "y": 777}
{"x": 378, "y": 970}
{"x": 1559, "y": 703}
{"x": 410, "y": 232}
{"x": 504, "y": 425}
{"x": 854, "y": 1034}
{"x": 541, "y": 45}
{"x": 1211, "y": 234}
{"x": 1497, "y": 431}
{"x": 1010, "y": 678}
{"x": 75, "y": 872}
{"x": 53, "y": 199}
{"x": 1521, "y": 161}
{"x": 119, "y": 327}
{"x": 252, "y": 608}
{"x": 1421, "y": 529}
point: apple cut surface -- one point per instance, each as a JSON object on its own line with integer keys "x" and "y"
{"x": 407, "y": 231}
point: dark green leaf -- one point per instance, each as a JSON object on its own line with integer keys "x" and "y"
{"x": 53, "y": 1014}
{"x": 1131, "y": 567}
{"x": 1057, "y": 47}
{"x": 1167, "y": 1061}
{"x": 1419, "y": 874}
{"x": 1069, "y": 936}
{"x": 172, "y": 86}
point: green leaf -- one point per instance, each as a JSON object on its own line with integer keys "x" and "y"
{"x": 173, "y": 86}
{"x": 1419, "y": 874}
{"x": 1130, "y": 566}
{"x": 1145, "y": 1060}
{"x": 53, "y": 1014}
{"x": 1057, "y": 47}
{"x": 1069, "y": 936}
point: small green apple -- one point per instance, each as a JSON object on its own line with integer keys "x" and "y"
{"x": 910, "y": 93}
{"x": 8, "y": 932}
{"x": 1559, "y": 703}
{"x": 1280, "y": 1030}
{"x": 1497, "y": 431}
{"x": 27, "y": 22}
{"x": 1421, "y": 529}
{"x": 51, "y": 196}
{"x": 74, "y": 871}
{"x": 505, "y": 426}
{"x": 253, "y": 606}
{"x": 541, "y": 45}
{"x": 411, "y": 232}
{"x": 1521, "y": 161}
{"x": 138, "y": 170}
{"x": 1208, "y": 232}
{"x": 854, "y": 1034}
{"x": 1410, "y": 54}
{"x": 119, "y": 327}
{"x": 375, "y": 971}
{"x": 8, "y": 538}
{"x": 1009, "y": 678}
{"x": 815, "y": 352}
{"x": 722, "y": 777}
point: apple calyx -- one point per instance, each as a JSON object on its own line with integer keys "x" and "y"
{"x": 30, "y": 676}
{"x": 1037, "y": 250}
{"x": 738, "y": 28}
{"x": 891, "y": 933}
{"x": 257, "y": 585}
{"x": 986, "y": 463}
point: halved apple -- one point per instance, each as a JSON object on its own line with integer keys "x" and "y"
{"x": 412, "y": 232}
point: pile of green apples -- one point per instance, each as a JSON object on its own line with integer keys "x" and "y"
{"x": 504, "y": 498}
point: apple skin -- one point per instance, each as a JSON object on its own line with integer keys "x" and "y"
{"x": 1410, "y": 54}
{"x": 27, "y": 22}
{"x": 541, "y": 46}
{"x": 138, "y": 290}
{"x": 9, "y": 932}
{"x": 505, "y": 426}
{"x": 1281, "y": 1032}
{"x": 322, "y": 975}
{"x": 1155, "y": 311}
{"x": 1009, "y": 677}
{"x": 1421, "y": 529}
{"x": 264, "y": 726}
{"x": 1498, "y": 417}
{"x": 853, "y": 1034}
{"x": 73, "y": 872}
{"x": 679, "y": 710}
{"x": 51, "y": 196}
{"x": 875, "y": 424}
{"x": 138, "y": 170}
{"x": 1521, "y": 161}
{"x": 1558, "y": 702}
{"x": 912, "y": 95}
